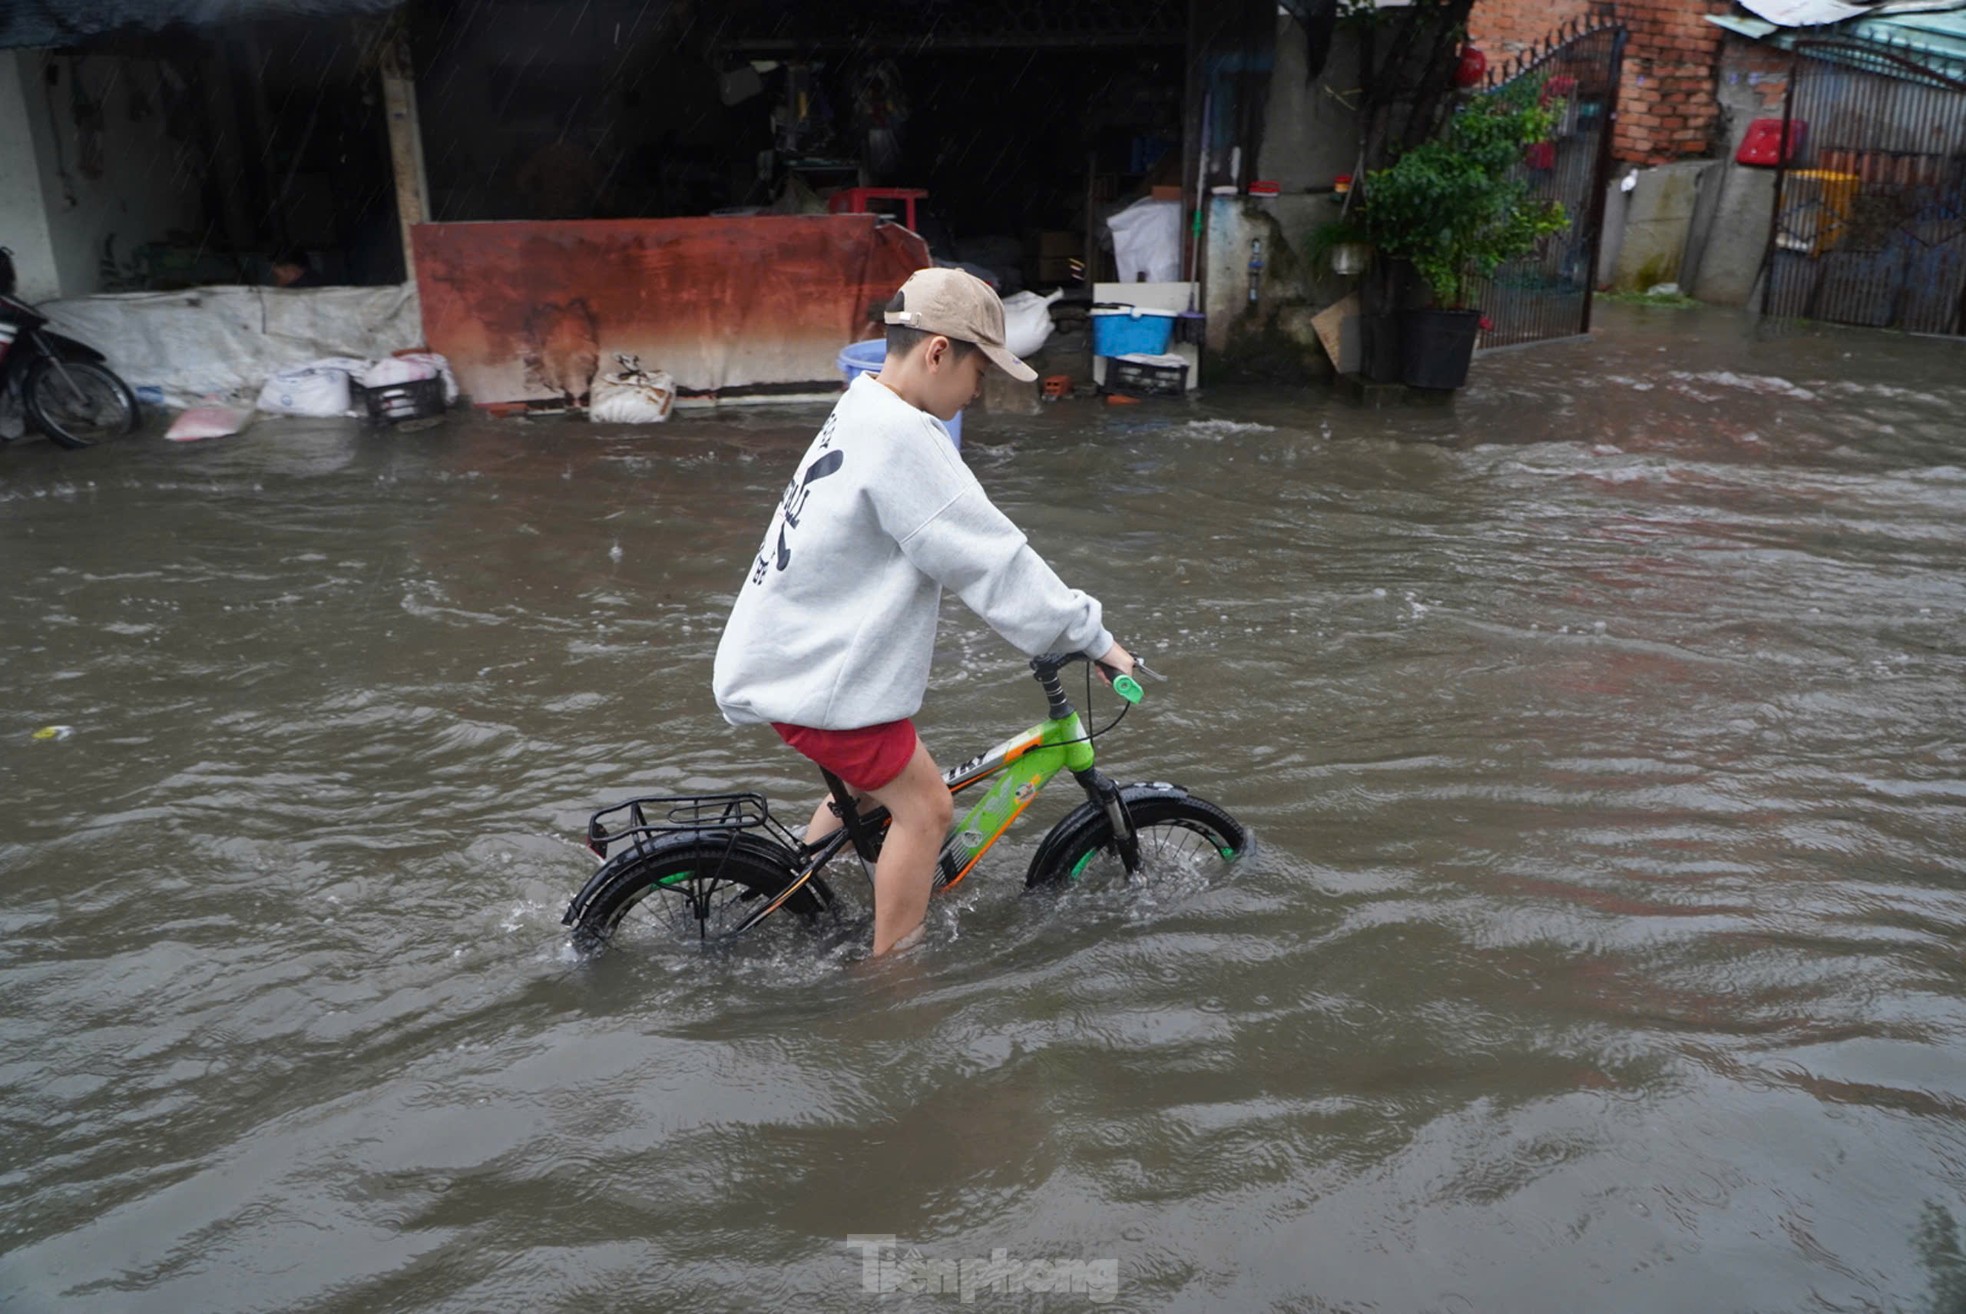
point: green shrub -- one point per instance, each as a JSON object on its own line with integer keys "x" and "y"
{"x": 1458, "y": 206}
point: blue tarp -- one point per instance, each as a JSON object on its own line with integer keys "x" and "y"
{"x": 76, "y": 22}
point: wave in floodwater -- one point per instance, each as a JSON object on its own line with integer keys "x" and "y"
{"x": 1600, "y": 730}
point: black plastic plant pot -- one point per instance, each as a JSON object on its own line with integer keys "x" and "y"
{"x": 1436, "y": 346}
{"x": 1379, "y": 348}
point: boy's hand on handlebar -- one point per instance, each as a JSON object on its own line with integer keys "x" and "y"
{"x": 1117, "y": 661}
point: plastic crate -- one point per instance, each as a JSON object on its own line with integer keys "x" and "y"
{"x": 1140, "y": 378}
{"x": 396, "y": 403}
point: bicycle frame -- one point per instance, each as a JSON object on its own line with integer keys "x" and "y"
{"x": 1025, "y": 763}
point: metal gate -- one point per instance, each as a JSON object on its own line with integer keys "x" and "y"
{"x": 1547, "y": 294}
{"x": 1869, "y": 223}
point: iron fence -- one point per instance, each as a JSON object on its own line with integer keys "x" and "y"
{"x": 1547, "y": 294}
{"x": 1869, "y": 223}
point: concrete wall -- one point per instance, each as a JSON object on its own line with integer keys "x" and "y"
{"x": 1309, "y": 135}
{"x": 1309, "y": 138}
{"x": 23, "y": 217}
{"x": 125, "y": 179}
{"x": 1702, "y": 224}
{"x": 1730, "y": 234}
{"x": 1272, "y": 338}
{"x": 1656, "y": 216}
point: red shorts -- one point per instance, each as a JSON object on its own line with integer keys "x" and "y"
{"x": 868, "y": 758}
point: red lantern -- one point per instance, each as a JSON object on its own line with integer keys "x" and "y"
{"x": 1473, "y": 66}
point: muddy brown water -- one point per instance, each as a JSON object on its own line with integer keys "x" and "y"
{"x": 1601, "y": 733}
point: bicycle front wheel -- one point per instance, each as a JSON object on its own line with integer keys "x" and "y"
{"x": 1178, "y": 834}
{"x": 689, "y": 887}
{"x": 78, "y": 403}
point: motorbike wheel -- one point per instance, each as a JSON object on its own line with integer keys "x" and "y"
{"x": 78, "y": 403}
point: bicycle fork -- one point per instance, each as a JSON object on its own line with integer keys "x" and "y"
{"x": 1105, "y": 795}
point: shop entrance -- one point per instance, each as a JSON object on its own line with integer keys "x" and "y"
{"x": 1025, "y": 123}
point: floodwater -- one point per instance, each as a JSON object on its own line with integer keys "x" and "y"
{"x": 1600, "y": 731}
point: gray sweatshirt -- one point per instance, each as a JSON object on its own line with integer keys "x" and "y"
{"x": 835, "y": 624}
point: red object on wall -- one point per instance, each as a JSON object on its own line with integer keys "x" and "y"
{"x": 1541, "y": 155}
{"x": 536, "y": 310}
{"x": 1473, "y": 66}
{"x": 1762, "y": 147}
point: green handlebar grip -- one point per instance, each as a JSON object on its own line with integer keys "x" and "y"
{"x": 1127, "y": 687}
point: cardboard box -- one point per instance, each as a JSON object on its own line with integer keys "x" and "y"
{"x": 1172, "y": 192}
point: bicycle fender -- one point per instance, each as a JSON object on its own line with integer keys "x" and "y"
{"x": 1088, "y": 810}
{"x": 69, "y": 349}
{"x": 607, "y": 871}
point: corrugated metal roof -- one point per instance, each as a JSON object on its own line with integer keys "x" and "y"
{"x": 1815, "y": 13}
{"x": 68, "y": 23}
{"x": 1900, "y": 43}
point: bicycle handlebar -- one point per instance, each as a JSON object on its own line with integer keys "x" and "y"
{"x": 1124, "y": 685}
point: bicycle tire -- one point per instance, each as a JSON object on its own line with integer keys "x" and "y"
{"x": 1172, "y": 825}
{"x": 702, "y": 878}
{"x": 61, "y": 427}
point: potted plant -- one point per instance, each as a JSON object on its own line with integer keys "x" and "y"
{"x": 1343, "y": 244}
{"x": 1454, "y": 208}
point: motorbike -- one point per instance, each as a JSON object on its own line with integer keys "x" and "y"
{"x": 65, "y": 388}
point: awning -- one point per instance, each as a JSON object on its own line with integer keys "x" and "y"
{"x": 1922, "y": 45}
{"x": 67, "y": 23}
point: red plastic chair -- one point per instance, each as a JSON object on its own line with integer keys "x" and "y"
{"x": 853, "y": 200}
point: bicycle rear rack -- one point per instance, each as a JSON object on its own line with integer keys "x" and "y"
{"x": 683, "y": 814}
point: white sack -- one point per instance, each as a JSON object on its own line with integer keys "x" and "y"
{"x": 1027, "y": 321}
{"x": 397, "y": 369}
{"x": 312, "y": 390}
{"x": 1147, "y": 240}
{"x": 443, "y": 370}
{"x": 633, "y": 396}
{"x": 207, "y": 422}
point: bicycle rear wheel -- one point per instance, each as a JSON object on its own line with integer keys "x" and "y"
{"x": 1178, "y": 833}
{"x": 689, "y": 888}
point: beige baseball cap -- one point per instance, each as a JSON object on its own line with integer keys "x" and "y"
{"x": 958, "y": 304}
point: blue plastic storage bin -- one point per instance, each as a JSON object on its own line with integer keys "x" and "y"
{"x": 1131, "y": 331}
{"x": 867, "y": 358}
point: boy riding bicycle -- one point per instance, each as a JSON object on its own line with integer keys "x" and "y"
{"x": 830, "y": 638}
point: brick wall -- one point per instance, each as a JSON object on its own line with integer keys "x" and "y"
{"x": 1667, "y": 108}
{"x": 1754, "y": 79}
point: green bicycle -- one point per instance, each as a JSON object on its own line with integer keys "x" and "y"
{"x": 711, "y": 866}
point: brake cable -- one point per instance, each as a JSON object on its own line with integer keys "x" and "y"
{"x": 1125, "y": 707}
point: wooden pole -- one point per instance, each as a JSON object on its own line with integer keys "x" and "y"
{"x": 405, "y": 144}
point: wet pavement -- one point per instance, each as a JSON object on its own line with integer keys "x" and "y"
{"x": 1601, "y": 733}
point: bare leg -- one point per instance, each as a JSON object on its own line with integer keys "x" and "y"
{"x": 919, "y": 802}
{"x": 824, "y": 822}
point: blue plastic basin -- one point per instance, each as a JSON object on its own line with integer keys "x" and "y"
{"x": 867, "y": 358}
